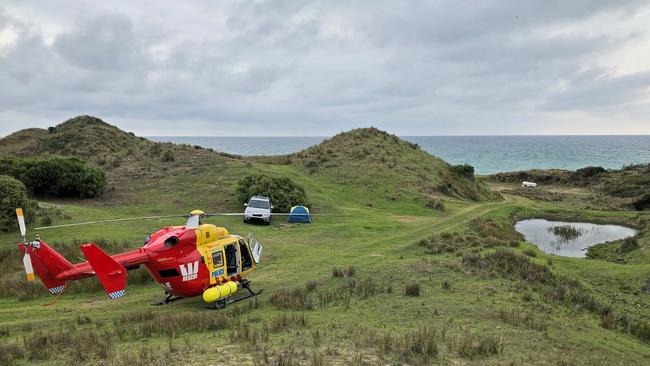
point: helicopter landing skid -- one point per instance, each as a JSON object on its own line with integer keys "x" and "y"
{"x": 227, "y": 301}
{"x": 167, "y": 300}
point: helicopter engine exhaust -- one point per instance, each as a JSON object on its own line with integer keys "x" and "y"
{"x": 219, "y": 292}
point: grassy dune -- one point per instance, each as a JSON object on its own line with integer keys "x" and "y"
{"x": 336, "y": 290}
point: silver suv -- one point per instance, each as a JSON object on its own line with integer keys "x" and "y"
{"x": 258, "y": 208}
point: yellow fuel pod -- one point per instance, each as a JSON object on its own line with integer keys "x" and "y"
{"x": 219, "y": 292}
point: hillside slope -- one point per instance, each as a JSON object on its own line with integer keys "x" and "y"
{"x": 132, "y": 163}
{"x": 375, "y": 160}
{"x": 627, "y": 187}
{"x": 93, "y": 140}
{"x": 381, "y": 161}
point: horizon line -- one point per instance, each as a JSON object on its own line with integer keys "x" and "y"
{"x": 328, "y": 136}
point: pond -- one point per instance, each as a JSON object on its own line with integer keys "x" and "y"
{"x": 569, "y": 239}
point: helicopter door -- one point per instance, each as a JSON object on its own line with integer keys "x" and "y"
{"x": 232, "y": 259}
{"x": 246, "y": 260}
{"x": 257, "y": 247}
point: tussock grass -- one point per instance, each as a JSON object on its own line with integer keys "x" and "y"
{"x": 293, "y": 299}
{"x": 412, "y": 289}
{"x": 305, "y": 298}
{"x": 343, "y": 272}
{"x": 483, "y": 233}
{"x": 146, "y": 323}
{"x": 471, "y": 346}
{"x": 507, "y": 264}
{"x": 526, "y": 319}
{"x": 287, "y": 321}
{"x": 446, "y": 285}
{"x": 427, "y": 345}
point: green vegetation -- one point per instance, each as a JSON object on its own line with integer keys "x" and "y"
{"x": 282, "y": 191}
{"x": 618, "y": 188}
{"x": 628, "y": 245}
{"x": 566, "y": 232}
{"x": 464, "y": 170}
{"x": 388, "y": 166}
{"x": 335, "y": 291}
{"x": 56, "y": 176}
{"x": 13, "y": 194}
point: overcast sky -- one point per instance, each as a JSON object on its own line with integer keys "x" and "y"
{"x": 314, "y": 68}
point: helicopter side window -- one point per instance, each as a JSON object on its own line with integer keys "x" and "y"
{"x": 217, "y": 259}
{"x": 246, "y": 261}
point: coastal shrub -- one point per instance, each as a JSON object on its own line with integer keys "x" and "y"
{"x": 13, "y": 194}
{"x": 56, "y": 176}
{"x": 583, "y": 176}
{"x": 642, "y": 203}
{"x": 530, "y": 252}
{"x": 283, "y": 192}
{"x": 628, "y": 245}
{"x": 435, "y": 204}
{"x": 167, "y": 156}
{"x": 463, "y": 170}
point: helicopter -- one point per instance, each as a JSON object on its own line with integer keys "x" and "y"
{"x": 186, "y": 261}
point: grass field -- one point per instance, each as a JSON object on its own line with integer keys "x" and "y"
{"x": 377, "y": 281}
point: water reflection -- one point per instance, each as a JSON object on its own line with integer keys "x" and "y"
{"x": 569, "y": 239}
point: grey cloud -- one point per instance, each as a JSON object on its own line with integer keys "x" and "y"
{"x": 102, "y": 42}
{"x": 596, "y": 89}
{"x": 421, "y": 66}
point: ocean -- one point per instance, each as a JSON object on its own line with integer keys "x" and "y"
{"x": 487, "y": 154}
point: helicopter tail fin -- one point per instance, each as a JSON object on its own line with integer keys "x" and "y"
{"x": 110, "y": 273}
{"x": 46, "y": 263}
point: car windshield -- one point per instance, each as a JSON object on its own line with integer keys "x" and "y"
{"x": 258, "y": 204}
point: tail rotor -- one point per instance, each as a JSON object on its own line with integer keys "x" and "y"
{"x": 27, "y": 259}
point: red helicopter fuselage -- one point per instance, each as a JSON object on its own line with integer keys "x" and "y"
{"x": 185, "y": 261}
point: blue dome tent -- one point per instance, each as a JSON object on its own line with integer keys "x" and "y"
{"x": 299, "y": 214}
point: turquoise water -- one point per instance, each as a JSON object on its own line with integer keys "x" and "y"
{"x": 488, "y": 154}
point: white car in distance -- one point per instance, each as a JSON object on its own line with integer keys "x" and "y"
{"x": 259, "y": 209}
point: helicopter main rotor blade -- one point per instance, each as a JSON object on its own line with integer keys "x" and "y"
{"x": 272, "y": 214}
{"x": 296, "y": 214}
{"x": 225, "y": 214}
{"x": 107, "y": 221}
